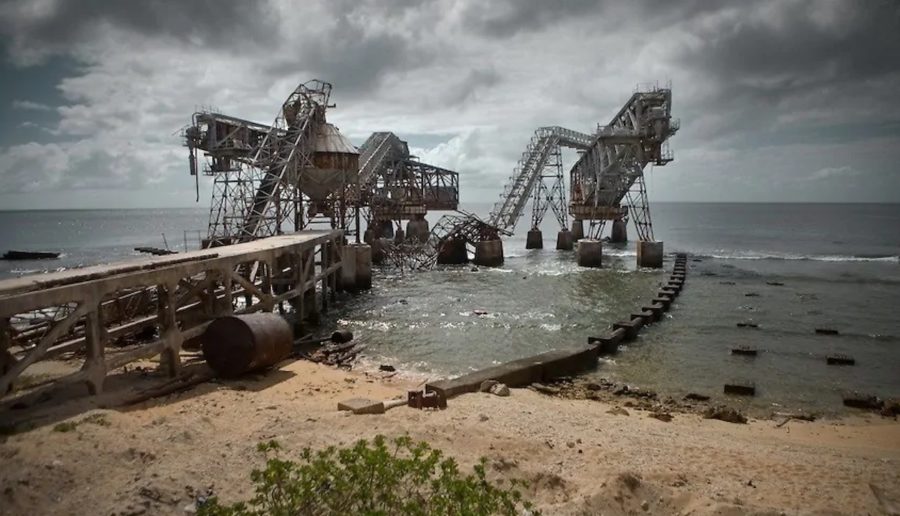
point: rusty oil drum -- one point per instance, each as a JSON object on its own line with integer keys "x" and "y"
{"x": 238, "y": 344}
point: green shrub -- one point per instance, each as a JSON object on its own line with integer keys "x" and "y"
{"x": 371, "y": 479}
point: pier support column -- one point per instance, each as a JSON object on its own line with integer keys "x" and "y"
{"x": 489, "y": 253}
{"x": 378, "y": 250}
{"x": 564, "y": 240}
{"x": 386, "y": 228}
{"x": 577, "y": 229}
{"x": 452, "y": 252}
{"x": 399, "y": 236}
{"x": 356, "y": 267}
{"x": 534, "y": 240}
{"x": 417, "y": 229}
{"x": 589, "y": 253}
{"x": 650, "y": 254}
{"x": 619, "y": 233}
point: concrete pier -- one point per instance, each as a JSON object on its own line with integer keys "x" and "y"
{"x": 417, "y": 229}
{"x": 386, "y": 229}
{"x": 564, "y": 240}
{"x": 577, "y": 229}
{"x": 356, "y": 267}
{"x": 489, "y": 253}
{"x": 452, "y": 252}
{"x": 378, "y": 246}
{"x": 534, "y": 239}
{"x": 589, "y": 253}
{"x": 650, "y": 254}
{"x": 619, "y": 234}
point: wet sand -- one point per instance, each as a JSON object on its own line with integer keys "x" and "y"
{"x": 155, "y": 457}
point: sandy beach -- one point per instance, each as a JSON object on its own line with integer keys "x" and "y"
{"x": 578, "y": 458}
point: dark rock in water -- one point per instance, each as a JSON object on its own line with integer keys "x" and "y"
{"x": 775, "y": 283}
{"x": 387, "y": 368}
{"x": 478, "y": 311}
{"x": 726, "y": 414}
{"x": 546, "y": 389}
{"x": 840, "y": 359}
{"x": 747, "y": 325}
{"x": 826, "y": 331}
{"x": 727, "y": 283}
{"x": 751, "y": 294}
{"x": 693, "y": 396}
{"x": 29, "y": 255}
{"x": 891, "y": 407}
{"x": 862, "y": 401}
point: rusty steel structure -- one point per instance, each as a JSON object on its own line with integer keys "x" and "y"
{"x": 298, "y": 169}
{"x": 108, "y": 316}
{"x": 396, "y": 186}
{"x": 607, "y": 182}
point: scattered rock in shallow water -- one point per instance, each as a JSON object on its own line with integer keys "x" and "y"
{"x": 665, "y": 417}
{"x": 775, "y": 283}
{"x": 546, "y": 389}
{"x": 617, "y": 411}
{"x": 862, "y": 401}
{"x": 693, "y": 396}
{"x": 387, "y": 368}
{"x": 479, "y": 312}
{"x": 727, "y": 283}
{"x": 751, "y": 294}
{"x": 747, "y": 325}
{"x": 727, "y": 414}
{"x": 500, "y": 390}
{"x": 487, "y": 385}
{"x": 891, "y": 407}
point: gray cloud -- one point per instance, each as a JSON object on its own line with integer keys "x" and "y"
{"x": 777, "y": 85}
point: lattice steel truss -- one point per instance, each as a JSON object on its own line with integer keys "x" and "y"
{"x": 543, "y": 147}
{"x": 257, "y": 169}
{"x": 607, "y": 182}
{"x": 550, "y": 192}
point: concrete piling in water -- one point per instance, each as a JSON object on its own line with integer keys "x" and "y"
{"x": 619, "y": 234}
{"x": 356, "y": 267}
{"x": 534, "y": 239}
{"x": 489, "y": 253}
{"x": 452, "y": 251}
{"x": 577, "y": 229}
{"x": 589, "y": 253}
{"x": 417, "y": 229}
{"x": 650, "y": 254}
{"x": 565, "y": 240}
{"x": 377, "y": 253}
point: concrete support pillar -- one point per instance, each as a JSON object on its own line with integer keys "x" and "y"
{"x": 489, "y": 253}
{"x": 369, "y": 236}
{"x": 619, "y": 233}
{"x": 356, "y": 267}
{"x": 385, "y": 228}
{"x": 534, "y": 240}
{"x": 417, "y": 229}
{"x": 564, "y": 240}
{"x": 577, "y": 229}
{"x": 589, "y": 253}
{"x": 452, "y": 252}
{"x": 399, "y": 236}
{"x": 378, "y": 250}
{"x": 650, "y": 254}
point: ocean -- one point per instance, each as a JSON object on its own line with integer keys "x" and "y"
{"x": 788, "y": 268}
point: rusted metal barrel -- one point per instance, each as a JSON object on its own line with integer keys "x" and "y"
{"x": 238, "y": 344}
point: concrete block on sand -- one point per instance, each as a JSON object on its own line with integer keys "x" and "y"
{"x": 362, "y": 406}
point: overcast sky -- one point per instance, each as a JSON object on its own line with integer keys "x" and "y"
{"x": 778, "y": 101}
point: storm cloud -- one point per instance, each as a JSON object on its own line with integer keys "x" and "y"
{"x": 779, "y": 100}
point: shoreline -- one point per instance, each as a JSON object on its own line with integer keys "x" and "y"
{"x": 155, "y": 457}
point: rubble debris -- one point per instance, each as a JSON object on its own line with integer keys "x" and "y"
{"x": 362, "y": 406}
{"x": 726, "y": 414}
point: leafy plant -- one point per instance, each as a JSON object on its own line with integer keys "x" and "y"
{"x": 371, "y": 479}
